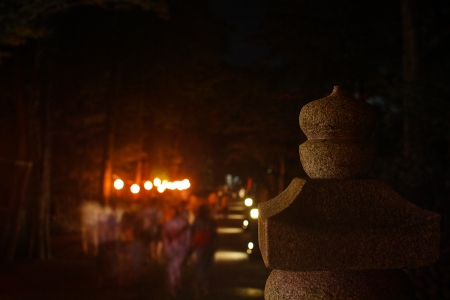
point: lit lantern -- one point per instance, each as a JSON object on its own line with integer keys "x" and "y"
{"x": 171, "y": 185}
{"x": 185, "y": 184}
{"x": 161, "y": 188}
{"x": 148, "y": 185}
{"x": 177, "y": 185}
{"x": 118, "y": 184}
{"x": 157, "y": 182}
{"x": 135, "y": 188}
{"x": 254, "y": 213}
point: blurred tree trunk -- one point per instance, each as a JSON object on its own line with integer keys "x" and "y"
{"x": 17, "y": 201}
{"x": 45, "y": 190}
{"x": 38, "y": 236}
{"x": 111, "y": 122}
{"x": 140, "y": 128}
{"x": 176, "y": 159}
{"x": 410, "y": 70}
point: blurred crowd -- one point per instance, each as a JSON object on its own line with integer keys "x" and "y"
{"x": 135, "y": 234}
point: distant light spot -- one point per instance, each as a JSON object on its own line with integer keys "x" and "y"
{"x": 231, "y": 216}
{"x": 230, "y": 255}
{"x": 243, "y": 292}
{"x": 236, "y": 217}
{"x": 229, "y": 230}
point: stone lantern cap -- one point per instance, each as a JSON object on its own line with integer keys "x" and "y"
{"x": 337, "y": 116}
{"x": 338, "y": 129}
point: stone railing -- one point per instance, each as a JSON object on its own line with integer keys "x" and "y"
{"x": 340, "y": 234}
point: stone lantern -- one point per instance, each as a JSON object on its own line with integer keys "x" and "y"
{"x": 341, "y": 234}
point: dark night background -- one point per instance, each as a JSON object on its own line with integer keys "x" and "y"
{"x": 199, "y": 89}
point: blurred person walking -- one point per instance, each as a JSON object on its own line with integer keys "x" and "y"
{"x": 152, "y": 220}
{"x": 89, "y": 213}
{"x": 213, "y": 204}
{"x": 187, "y": 212}
{"x": 107, "y": 258}
{"x": 131, "y": 246}
{"x": 224, "y": 205}
{"x": 176, "y": 238}
{"x": 204, "y": 244}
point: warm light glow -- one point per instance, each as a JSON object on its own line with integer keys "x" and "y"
{"x": 254, "y": 213}
{"x": 229, "y": 230}
{"x": 170, "y": 185}
{"x": 176, "y": 185}
{"x": 242, "y": 193}
{"x": 245, "y": 223}
{"x": 229, "y": 256}
{"x": 186, "y": 184}
{"x": 247, "y": 293}
{"x": 135, "y": 188}
{"x": 148, "y": 185}
{"x": 248, "y": 202}
{"x": 250, "y": 245}
{"x": 161, "y": 188}
{"x": 118, "y": 184}
{"x": 236, "y": 217}
{"x": 182, "y": 185}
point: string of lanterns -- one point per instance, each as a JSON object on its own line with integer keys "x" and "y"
{"x": 161, "y": 185}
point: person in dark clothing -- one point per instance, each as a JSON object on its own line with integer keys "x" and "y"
{"x": 130, "y": 245}
{"x": 176, "y": 239}
{"x": 204, "y": 244}
{"x": 152, "y": 220}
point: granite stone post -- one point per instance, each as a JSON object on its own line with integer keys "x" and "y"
{"x": 340, "y": 234}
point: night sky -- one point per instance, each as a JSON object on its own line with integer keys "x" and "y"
{"x": 245, "y": 19}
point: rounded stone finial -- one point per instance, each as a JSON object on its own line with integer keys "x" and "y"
{"x": 337, "y": 116}
{"x": 338, "y": 129}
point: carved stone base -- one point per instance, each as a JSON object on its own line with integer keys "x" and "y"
{"x": 336, "y": 285}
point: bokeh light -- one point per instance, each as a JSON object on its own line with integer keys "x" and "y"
{"x": 148, "y": 185}
{"x": 118, "y": 184}
{"x": 254, "y": 213}
{"x": 242, "y": 193}
{"x": 135, "y": 188}
{"x": 161, "y": 188}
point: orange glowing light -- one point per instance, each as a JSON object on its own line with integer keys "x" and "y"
{"x": 148, "y": 185}
{"x": 118, "y": 184}
{"x": 161, "y": 188}
{"x": 186, "y": 184}
{"x": 168, "y": 185}
{"x": 135, "y": 188}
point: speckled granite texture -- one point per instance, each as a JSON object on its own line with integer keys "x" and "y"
{"x": 332, "y": 224}
{"x": 340, "y": 235}
{"x": 338, "y": 129}
{"x": 339, "y": 285}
